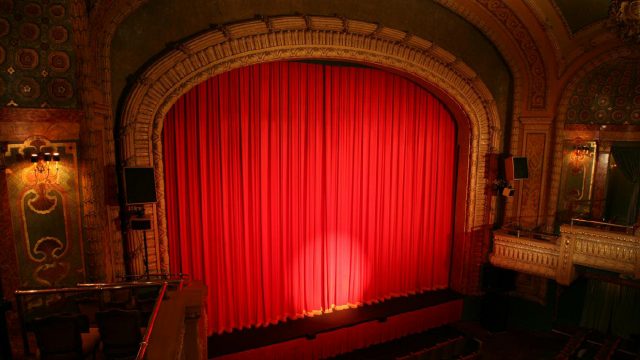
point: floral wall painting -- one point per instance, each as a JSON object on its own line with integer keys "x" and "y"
{"x": 42, "y": 182}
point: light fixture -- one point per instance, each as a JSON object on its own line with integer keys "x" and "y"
{"x": 624, "y": 18}
{"x": 503, "y": 188}
{"x": 43, "y": 169}
{"x": 581, "y": 151}
{"x": 508, "y": 192}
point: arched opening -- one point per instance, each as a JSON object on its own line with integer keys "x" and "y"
{"x": 594, "y": 117}
{"x": 253, "y": 42}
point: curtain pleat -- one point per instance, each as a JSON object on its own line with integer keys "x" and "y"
{"x": 628, "y": 161}
{"x": 294, "y": 189}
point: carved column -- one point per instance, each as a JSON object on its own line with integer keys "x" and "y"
{"x": 101, "y": 210}
{"x": 528, "y": 209}
{"x": 566, "y": 270}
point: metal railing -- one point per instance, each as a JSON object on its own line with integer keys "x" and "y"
{"x": 152, "y": 321}
{"x": 83, "y": 288}
{"x": 627, "y": 228}
{"x": 528, "y": 234}
{"x": 159, "y": 276}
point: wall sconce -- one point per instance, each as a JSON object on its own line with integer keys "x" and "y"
{"x": 42, "y": 166}
{"x": 581, "y": 151}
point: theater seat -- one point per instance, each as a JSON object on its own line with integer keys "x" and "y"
{"x": 88, "y": 307}
{"x": 120, "y": 333}
{"x": 60, "y": 337}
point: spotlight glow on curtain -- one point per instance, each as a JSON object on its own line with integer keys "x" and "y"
{"x": 295, "y": 188}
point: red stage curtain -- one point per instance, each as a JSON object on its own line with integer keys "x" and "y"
{"x": 295, "y": 188}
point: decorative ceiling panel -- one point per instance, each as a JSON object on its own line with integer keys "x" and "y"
{"x": 610, "y": 94}
{"x": 37, "y": 60}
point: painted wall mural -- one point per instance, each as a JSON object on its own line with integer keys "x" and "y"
{"x": 37, "y": 61}
{"x": 44, "y": 205}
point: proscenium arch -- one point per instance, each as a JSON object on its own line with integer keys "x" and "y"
{"x": 310, "y": 37}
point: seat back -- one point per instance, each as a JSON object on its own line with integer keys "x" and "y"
{"x": 58, "y": 336}
{"x": 120, "y": 332}
{"x": 89, "y": 307}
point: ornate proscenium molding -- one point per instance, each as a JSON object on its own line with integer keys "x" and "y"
{"x": 556, "y": 258}
{"x": 306, "y": 37}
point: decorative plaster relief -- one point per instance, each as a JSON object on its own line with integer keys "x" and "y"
{"x": 538, "y": 82}
{"x": 609, "y": 94}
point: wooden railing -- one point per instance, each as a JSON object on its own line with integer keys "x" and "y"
{"x": 607, "y": 247}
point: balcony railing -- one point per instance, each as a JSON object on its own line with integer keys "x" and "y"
{"x": 597, "y": 245}
{"x": 525, "y": 253}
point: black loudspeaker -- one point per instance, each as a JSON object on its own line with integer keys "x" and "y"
{"x": 140, "y": 224}
{"x": 516, "y": 168}
{"x": 139, "y": 185}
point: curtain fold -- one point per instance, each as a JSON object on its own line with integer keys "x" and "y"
{"x": 628, "y": 161}
{"x": 294, "y": 188}
{"x": 611, "y": 308}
